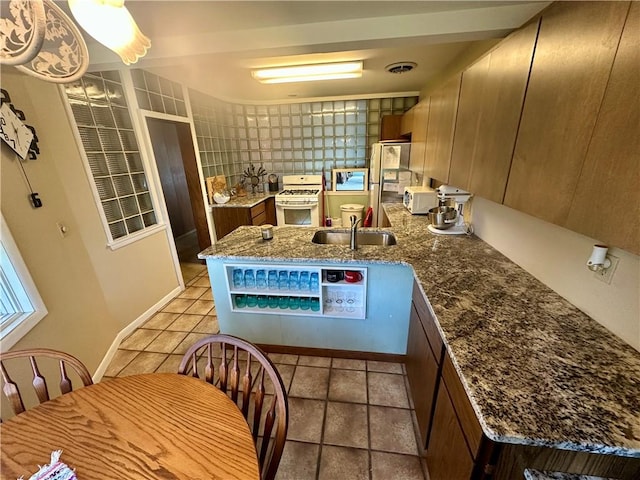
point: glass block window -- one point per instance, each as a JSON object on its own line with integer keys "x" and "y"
{"x": 158, "y": 94}
{"x": 297, "y": 138}
{"x": 104, "y": 125}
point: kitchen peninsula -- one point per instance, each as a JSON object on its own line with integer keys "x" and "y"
{"x": 549, "y": 387}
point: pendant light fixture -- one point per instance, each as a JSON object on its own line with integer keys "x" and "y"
{"x": 110, "y": 23}
{"x": 39, "y": 39}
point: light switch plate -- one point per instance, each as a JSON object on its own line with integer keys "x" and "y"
{"x": 606, "y": 275}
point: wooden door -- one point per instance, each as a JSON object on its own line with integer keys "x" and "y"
{"x": 611, "y": 172}
{"x": 467, "y": 122}
{"x": 502, "y": 100}
{"x": 442, "y": 121}
{"x": 176, "y": 161}
{"x": 573, "y": 58}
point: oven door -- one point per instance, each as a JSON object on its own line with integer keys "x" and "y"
{"x": 306, "y": 215}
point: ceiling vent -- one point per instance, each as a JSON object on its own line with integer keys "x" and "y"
{"x": 401, "y": 67}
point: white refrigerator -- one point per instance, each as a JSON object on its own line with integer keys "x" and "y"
{"x": 388, "y": 175}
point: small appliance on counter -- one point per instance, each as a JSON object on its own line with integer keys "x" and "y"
{"x": 447, "y": 220}
{"x": 273, "y": 182}
{"x": 419, "y": 200}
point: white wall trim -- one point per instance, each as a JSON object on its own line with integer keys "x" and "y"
{"x": 122, "y": 334}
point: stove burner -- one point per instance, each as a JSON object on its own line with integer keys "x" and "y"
{"x": 300, "y": 192}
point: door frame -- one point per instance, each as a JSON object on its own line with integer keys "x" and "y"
{"x": 157, "y": 184}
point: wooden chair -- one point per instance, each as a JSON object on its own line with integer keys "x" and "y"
{"x": 10, "y": 388}
{"x": 242, "y": 377}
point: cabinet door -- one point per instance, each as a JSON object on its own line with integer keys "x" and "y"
{"x": 406, "y": 124}
{"x": 573, "y": 58}
{"x": 227, "y": 219}
{"x": 422, "y": 373}
{"x": 611, "y": 171}
{"x": 419, "y": 136}
{"x": 467, "y": 122}
{"x": 258, "y": 214}
{"x": 390, "y": 127}
{"x": 442, "y": 120}
{"x": 502, "y": 99}
{"x": 448, "y": 457}
{"x": 270, "y": 210}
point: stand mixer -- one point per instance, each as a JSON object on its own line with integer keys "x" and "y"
{"x": 454, "y": 225}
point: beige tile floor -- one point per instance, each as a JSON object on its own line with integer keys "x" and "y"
{"x": 350, "y": 419}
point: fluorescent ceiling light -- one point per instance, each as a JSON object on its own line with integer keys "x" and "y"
{"x": 309, "y": 73}
{"x": 110, "y": 23}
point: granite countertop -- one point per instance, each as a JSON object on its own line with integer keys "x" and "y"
{"x": 248, "y": 201}
{"x": 537, "y": 370}
{"x": 530, "y": 474}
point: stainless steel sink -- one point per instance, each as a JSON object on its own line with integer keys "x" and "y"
{"x": 341, "y": 237}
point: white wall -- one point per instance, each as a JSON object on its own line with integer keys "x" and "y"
{"x": 557, "y": 257}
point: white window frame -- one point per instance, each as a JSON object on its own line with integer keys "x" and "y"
{"x": 17, "y": 285}
{"x": 161, "y": 225}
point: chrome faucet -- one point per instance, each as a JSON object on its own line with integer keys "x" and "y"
{"x": 354, "y": 231}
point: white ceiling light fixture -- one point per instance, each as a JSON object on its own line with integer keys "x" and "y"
{"x": 110, "y": 23}
{"x": 309, "y": 73}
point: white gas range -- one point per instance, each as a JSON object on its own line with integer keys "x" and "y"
{"x": 299, "y": 203}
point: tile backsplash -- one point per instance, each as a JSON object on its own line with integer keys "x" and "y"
{"x": 292, "y": 138}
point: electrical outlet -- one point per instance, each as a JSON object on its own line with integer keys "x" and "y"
{"x": 62, "y": 229}
{"x": 606, "y": 275}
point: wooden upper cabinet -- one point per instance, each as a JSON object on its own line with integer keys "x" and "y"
{"x": 442, "y": 120}
{"x": 574, "y": 54}
{"x": 406, "y": 124}
{"x": 501, "y": 107}
{"x": 390, "y": 127}
{"x": 610, "y": 176}
{"x": 467, "y": 122}
{"x": 419, "y": 136}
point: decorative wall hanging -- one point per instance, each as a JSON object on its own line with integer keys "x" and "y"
{"x": 12, "y": 124}
{"x": 21, "y": 32}
{"x": 39, "y": 39}
{"x": 63, "y": 57}
{"x": 20, "y": 137}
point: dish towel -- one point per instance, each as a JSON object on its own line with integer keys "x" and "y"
{"x": 56, "y": 470}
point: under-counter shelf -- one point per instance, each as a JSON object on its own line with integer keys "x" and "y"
{"x": 297, "y": 290}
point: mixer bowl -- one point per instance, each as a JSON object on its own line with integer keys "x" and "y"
{"x": 442, "y": 217}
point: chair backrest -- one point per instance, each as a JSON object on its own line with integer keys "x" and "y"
{"x": 242, "y": 377}
{"x": 11, "y": 390}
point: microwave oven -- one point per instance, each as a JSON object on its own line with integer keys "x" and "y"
{"x": 418, "y": 200}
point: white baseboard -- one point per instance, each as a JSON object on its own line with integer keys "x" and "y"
{"x": 104, "y": 364}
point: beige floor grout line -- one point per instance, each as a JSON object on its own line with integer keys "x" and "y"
{"x": 331, "y": 367}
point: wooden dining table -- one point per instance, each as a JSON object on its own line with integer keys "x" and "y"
{"x": 151, "y": 426}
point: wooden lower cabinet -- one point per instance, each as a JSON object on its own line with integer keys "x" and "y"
{"x": 456, "y": 446}
{"x": 448, "y": 457}
{"x": 227, "y": 219}
{"x": 422, "y": 372}
{"x": 423, "y": 362}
